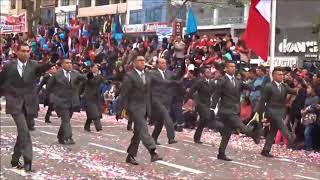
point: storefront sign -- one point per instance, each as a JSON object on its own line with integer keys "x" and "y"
{"x": 177, "y": 28}
{"x": 13, "y": 24}
{"x": 133, "y": 28}
{"x": 289, "y": 61}
{"x": 152, "y": 27}
{"x": 163, "y": 32}
{"x": 298, "y": 47}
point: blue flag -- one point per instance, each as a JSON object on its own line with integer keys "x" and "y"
{"x": 117, "y": 32}
{"x": 191, "y": 23}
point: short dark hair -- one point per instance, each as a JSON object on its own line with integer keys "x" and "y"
{"x": 229, "y": 62}
{"x": 262, "y": 68}
{"x": 277, "y": 69}
{"x": 21, "y": 44}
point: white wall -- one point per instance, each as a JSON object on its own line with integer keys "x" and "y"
{"x": 132, "y": 5}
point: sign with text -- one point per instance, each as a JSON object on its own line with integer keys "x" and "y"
{"x": 13, "y": 24}
{"x": 289, "y": 61}
{"x": 177, "y": 28}
{"x": 133, "y": 28}
{"x": 152, "y": 27}
{"x": 164, "y": 32}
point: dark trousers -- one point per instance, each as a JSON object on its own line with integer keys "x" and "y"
{"x": 23, "y": 146}
{"x": 140, "y": 132}
{"x": 130, "y": 122}
{"x": 96, "y": 122}
{"x": 176, "y": 111}
{"x": 29, "y": 118}
{"x": 93, "y": 114}
{"x": 49, "y": 111}
{"x": 275, "y": 125}
{"x": 231, "y": 122}
{"x": 161, "y": 116}
{"x": 65, "y": 130}
{"x": 204, "y": 113}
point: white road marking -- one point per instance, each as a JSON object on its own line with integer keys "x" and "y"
{"x": 305, "y": 177}
{"x": 50, "y": 133}
{"x": 107, "y": 147}
{"x": 163, "y": 146}
{"x": 159, "y": 162}
{"x": 204, "y": 144}
{"x": 21, "y": 172}
{"x": 289, "y": 160}
{"x": 239, "y": 163}
{"x": 39, "y": 120}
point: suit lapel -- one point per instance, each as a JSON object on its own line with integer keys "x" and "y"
{"x": 15, "y": 69}
{"x": 138, "y": 77}
{"x": 26, "y": 70}
{"x": 65, "y": 80}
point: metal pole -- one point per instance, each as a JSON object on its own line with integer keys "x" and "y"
{"x": 273, "y": 34}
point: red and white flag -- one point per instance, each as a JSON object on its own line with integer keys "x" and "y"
{"x": 257, "y": 32}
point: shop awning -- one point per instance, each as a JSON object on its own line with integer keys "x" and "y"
{"x": 102, "y": 10}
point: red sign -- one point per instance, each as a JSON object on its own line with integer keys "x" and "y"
{"x": 13, "y": 24}
{"x": 177, "y": 28}
{"x": 152, "y": 27}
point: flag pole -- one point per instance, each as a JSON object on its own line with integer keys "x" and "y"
{"x": 273, "y": 34}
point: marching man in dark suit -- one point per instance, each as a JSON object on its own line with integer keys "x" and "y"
{"x": 227, "y": 93}
{"x": 18, "y": 78}
{"x": 161, "y": 101}
{"x": 46, "y": 95}
{"x": 135, "y": 96}
{"x": 273, "y": 103}
{"x": 91, "y": 97}
{"x": 63, "y": 87}
{"x": 204, "y": 87}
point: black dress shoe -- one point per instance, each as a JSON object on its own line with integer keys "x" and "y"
{"x": 99, "y": 130}
{"x": 223, "y": 157}
{"x": 16, "y": 164}
{"x": 32, "y": 128}
{"x": 87, "y": 129}
{"x": 179, "y": 129}
{"x": 70, "y": 141}
{"x": 155, "y": 157}
{"x": 198, "y": 142}
{"x": 61, "y": 141}
{"x": 28, "y": 167}
{"x": 266, "y": 154}
{"x": 129, "y": 128}
{"x": 172, "y": 141}
{"x": 130, "y": 159}
{"x": 157, "y": 143}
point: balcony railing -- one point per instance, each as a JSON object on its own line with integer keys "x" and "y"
{"x": 221, "y": 21}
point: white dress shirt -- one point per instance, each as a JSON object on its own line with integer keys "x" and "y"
{"x": 20, "y": 67}
{"x": 231, "y": 77}
{"x": 67, "y": 74}
{"x": 162, "y": 73}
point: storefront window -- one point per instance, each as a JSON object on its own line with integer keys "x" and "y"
{"x": 153, "y": 14}
{"x": 102, "y": 2}
{"x": 13, "y": 4}
{"x": 135, "y": 17}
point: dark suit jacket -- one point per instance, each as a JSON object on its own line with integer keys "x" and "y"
{"x": 91, "y": 91}
{"x": 272, "y": 102}
{"x": 65, "y": 94}
{"x": 45, "y": 93}
{"x": 134, "y": 95}
{"x": 161, "y": 88}
{"x": 228, "y": 96}
{"x": 21, "y": 91}
{"x": 204, "y": 91}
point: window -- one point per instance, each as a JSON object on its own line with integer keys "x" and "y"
{"x": 13, "y": 4}
{"x": 64, "y": 2}
{"x": 116, "y": 1}
{"x": 102, "y": 2}
{"x": 153, "y": 14}
{"x": 135, "y": 17}
{"x": 24, "y": 6}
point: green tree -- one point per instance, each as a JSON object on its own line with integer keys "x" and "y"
{"x": 33, "y": 13}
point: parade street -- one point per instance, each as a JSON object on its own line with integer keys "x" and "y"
{"x": 102, "y": 155}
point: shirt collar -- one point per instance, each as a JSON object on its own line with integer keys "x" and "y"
{"x": 229, "y": 76}
{"x": 20, "y": 64}
{"x": 277, "y": 83}
{"x": 65, "y": 72}
{"x": 139, "y": 72}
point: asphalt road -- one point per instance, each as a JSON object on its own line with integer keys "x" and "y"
{"x": 102, "y": 155}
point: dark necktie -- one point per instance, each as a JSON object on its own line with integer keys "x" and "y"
{"x": 143, "y": 78}
{"x": 23, "y": 68}
{"x": 233, "y": 82}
